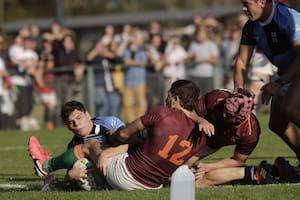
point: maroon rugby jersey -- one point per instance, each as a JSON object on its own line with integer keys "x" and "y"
{"x": 245, "y": 136}
{"x": 166, "y": 147}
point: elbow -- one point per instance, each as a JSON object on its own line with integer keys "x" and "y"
{"x": 118, "y": 138}
{"x": 123, "y": 136}
{"x": 239, "y": 162}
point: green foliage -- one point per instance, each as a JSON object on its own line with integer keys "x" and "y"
{"x": 12, "y": 10}
{"x": 27, "y": 9}
{"x": 16, "y": 168}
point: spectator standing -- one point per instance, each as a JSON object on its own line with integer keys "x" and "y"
{"x": 45, "y": 82}
{"x": 156, "y": 62}
{"x": 7, "y": 98}
{"x": 192, "y": 28}
{"x": 154, "y": 29}
{"x": 124, "y": 36}
{"x": 35, "y": 33}
{"x": 107, "y": 96}
{"x": 24, "y": 60}
{"x": 174, "y": 68}
{"x": 135, "y": 60}
{"x": 229, "y": 49}
{"x": 68, "y": 84}
{"x": 4, "y": 49}
{"x": 205, "y": 55}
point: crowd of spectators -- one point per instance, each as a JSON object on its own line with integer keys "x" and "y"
{"x": 135, "y": 67}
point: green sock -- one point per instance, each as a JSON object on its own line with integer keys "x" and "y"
{"x": 63, "y": 161}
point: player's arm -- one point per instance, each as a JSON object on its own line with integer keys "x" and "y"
{"x": 204, "y": 125}
{"x": 241, "y": 65}
{"x": 122, "y": 135}
{"x": 191, "y": 161}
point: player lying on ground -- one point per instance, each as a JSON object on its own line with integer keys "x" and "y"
{"x": 79, "y": 122}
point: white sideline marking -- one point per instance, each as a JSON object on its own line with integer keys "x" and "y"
{"x": 13, "y": 186}
{"x": 12, "y": 148}
{"x": 9, "y": 148}
{"x": 267, "y": 185}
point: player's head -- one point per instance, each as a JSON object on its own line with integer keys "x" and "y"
{"x": 238, "y": 106}
{"x": 77, "y": 118}
{"x": 257, "y": 9}
{"x": 69, "y": 107}
{"x": 185, "y": 92}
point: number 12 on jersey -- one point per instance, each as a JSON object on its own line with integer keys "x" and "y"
{"x": 175, "y": 157}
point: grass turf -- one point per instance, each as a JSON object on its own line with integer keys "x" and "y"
{"x": 17, "y": 180}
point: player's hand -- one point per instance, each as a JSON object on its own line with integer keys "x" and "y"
{"x": 102, "y": 163}
{"x": 202, "y": 167}
{"x": 199, "y": 171}
{"x": 205, "y": 126}
{"x": 268, "y": 91}
{"x": 78, "y": 172}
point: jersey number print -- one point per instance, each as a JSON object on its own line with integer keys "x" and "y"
{"x": 175, "y": 158}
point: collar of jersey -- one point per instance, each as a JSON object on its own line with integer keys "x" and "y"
{"x": 97, "y": 129}
{"x": 270, "y": 17}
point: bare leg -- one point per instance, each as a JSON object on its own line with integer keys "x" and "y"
{"x": 220, "y": 176}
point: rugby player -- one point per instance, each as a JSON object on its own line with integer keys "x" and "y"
{"x": 230, "y": 112}
{"x": 274, "y": 28}
{"x": 79, "y": 122}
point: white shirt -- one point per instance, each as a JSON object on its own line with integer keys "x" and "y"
{"x": 206, "y": 50}
{"x": 174, "y": 56}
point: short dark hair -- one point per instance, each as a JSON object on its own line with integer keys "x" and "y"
{"x": 187, "y": 91}
{"x": 68, "y": 108}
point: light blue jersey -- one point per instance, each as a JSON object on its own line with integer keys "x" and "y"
{"x": 101, "y": 126}
{"x": 110, "y": 122}
{"x": 275, "y": 36}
